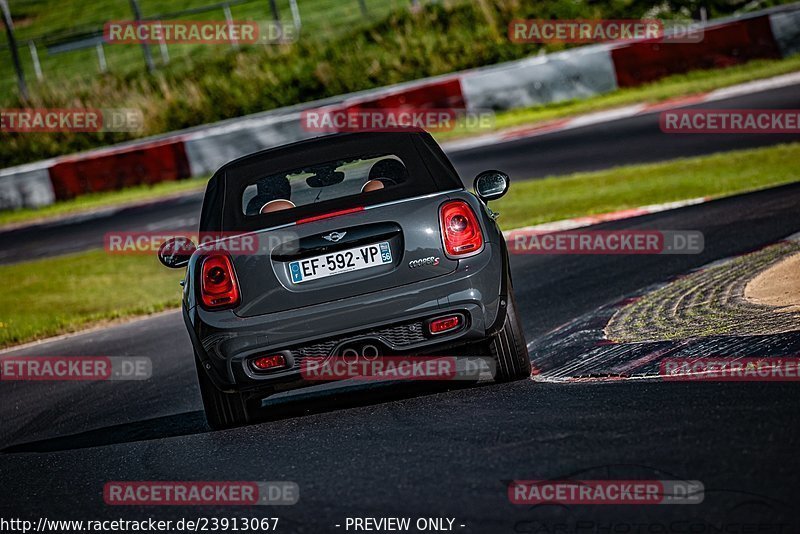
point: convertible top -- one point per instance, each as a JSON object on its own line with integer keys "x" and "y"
{"x": 428, "y": 167}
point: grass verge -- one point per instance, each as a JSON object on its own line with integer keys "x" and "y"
{"x": 68, "y": 293}
{"x": 588, "y": 193}
{"x": 107, "y": 199}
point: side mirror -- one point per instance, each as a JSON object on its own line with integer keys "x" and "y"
{"x": 491, "y": 185}
{"x": 175, "y": 252}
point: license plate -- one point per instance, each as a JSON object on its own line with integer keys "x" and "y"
{"x": 344, "y": 261}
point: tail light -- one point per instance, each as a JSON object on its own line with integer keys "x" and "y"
{"x": 460, "y": 229}
{"x": 444, "y": 324}
{"x": 266, "y": 363}
{"x": 218, "y": 286}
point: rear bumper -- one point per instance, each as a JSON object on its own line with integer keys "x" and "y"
{"x": 225, "y": 342}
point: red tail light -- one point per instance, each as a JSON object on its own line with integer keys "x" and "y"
{"x": 460, "y": 229}
{"x": 444, "y": 324}
{"x": 265, "y": 363}
{"x": 218, "y": 286}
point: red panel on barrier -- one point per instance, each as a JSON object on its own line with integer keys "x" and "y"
{"x": 722, "y": 46}
{"x": 439, "y": 94}
{"x": 118, "y": 168}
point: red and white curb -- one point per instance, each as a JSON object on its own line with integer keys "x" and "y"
{"x": 575, "y": 379}
{"x": 589, "y": 220}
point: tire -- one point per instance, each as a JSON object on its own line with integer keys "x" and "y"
{"x": 223, "y": 410}
{"x": 508, "y": 347}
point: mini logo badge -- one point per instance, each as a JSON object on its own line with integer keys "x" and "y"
{"x": 334, "y": 236}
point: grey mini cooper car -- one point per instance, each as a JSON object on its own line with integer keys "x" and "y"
{"x": 362, "y": 244}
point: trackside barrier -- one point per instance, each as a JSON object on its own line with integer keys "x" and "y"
{"x": 577, "y": 73}
{"x": 209, "y": 150}
{"x": 112, "y": 169}
{"x": 440, "y": 93}
{"x": 786, "y": 30}
{"x": 28, "y": 185}
{"x": 722, "y": 46}
{"x": 572, "y": 74}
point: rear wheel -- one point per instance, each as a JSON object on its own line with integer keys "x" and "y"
{"x": 223, "y": 410}
{"x": 508, "y": 347}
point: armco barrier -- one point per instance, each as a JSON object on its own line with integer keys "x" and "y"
{"x": 29, "y": 185}
{"x": 786, "y": 30}
{"x": 722, "y": 46}
{"x": 209, "y": 150}
{"x": 439, "y": 93}
{"x": 117, "y": 168}
{"x": 576, "y": 73}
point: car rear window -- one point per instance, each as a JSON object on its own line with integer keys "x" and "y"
{"x": 411, "y": 165}
{"x": 302, "y": 186}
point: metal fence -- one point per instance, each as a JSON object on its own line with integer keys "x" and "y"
{"x": 74, "y": 48}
